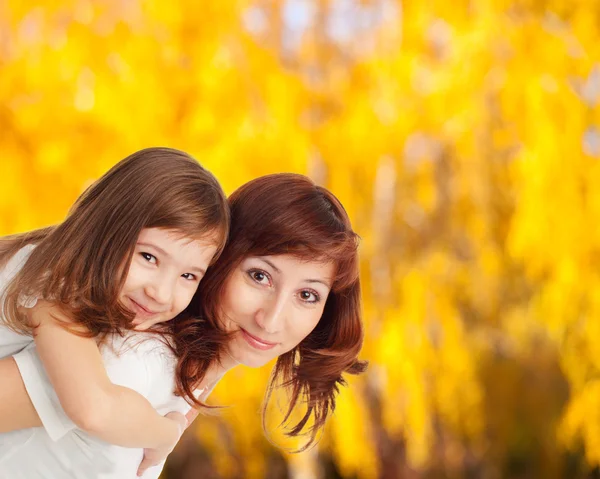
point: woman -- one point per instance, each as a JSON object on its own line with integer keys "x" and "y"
{"x": 285, "y": 286}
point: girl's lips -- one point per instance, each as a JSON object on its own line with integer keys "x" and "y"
{"x": 257, "y": 343}
{"x": 140, "y": 309}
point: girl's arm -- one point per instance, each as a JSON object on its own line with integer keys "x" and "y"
{"x": 17, "y": 411}
{"x": 115, "y": 414}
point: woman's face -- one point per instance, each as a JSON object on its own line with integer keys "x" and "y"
{"x": 273, "y": 302}
{"x": 164, "y": 274}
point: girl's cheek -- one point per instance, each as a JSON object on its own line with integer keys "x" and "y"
{"x": 133, "y": 275}
{"x": 186, "y": 302}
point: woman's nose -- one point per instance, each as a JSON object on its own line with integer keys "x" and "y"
{"x": 271, "y": 315}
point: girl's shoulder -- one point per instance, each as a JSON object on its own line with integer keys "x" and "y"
{"x": 14, "y": 264}
{"x": 139, "y": 343}
{"x": 141, "y": 361}
{"x": 12, "y": 342}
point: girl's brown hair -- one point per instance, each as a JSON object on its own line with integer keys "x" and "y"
{"x": 81, "y": 263}
{"x": 274, "y": 215}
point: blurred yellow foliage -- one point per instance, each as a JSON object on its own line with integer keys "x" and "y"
{"x": 463, "y": 139}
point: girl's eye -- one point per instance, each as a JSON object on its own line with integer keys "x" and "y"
{"x": 309, "y": 296}
{"x": 149, "y": 257}
{"x": 189, "y": 276}
{"x": 259, "y": 276}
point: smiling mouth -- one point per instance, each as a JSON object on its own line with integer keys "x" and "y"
{"x": 256, "y": 342}
{"x": 141, "y": 309}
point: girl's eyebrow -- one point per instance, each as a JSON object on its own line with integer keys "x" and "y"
{"x": 196, "y": 269}
{"x": 157, "y": 248}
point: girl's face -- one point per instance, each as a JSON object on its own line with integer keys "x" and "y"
{"x": 164, "y": 274}
{"x": 273, "y": 302}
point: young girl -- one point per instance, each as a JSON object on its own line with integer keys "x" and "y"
{"x": 130, "y": 254}
{"x": 286, "y": 287}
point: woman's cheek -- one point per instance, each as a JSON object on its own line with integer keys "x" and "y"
{"x": 243, "y": 298}
{"x": 311, "y": 324}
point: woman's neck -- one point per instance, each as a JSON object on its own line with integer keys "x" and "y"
{"x": 217, "y": 370}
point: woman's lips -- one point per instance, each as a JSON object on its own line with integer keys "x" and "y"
{"x": 256, "y": 342}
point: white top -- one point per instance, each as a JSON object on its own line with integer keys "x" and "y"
{"x": 59, "y": 450}
{"x": 11, "y": 342}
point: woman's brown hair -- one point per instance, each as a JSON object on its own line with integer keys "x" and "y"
{"x": 286, "y": 214}
{"x": 81, "y": 263}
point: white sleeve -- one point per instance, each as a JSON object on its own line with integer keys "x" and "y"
{"x": 126, "y": 370}
{"x": 11, "y": 269}
{"x": 42, "y": 394}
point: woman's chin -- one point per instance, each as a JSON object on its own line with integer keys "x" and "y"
{"x": 250, "y": 359}
{"x": 244, "y": 353}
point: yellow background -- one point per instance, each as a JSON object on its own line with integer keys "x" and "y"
{"x": 462, "y": 138}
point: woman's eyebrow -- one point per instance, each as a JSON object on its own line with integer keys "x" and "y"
{"x": 324, "y": 283}
{"x": 270, "y": 263}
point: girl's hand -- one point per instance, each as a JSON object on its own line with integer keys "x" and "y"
{"x": 191, "y": 415}
{"x": 152, "y": 457}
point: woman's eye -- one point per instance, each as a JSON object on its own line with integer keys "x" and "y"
{"x": 149, "y": 257}
{"x": 309, "y": 296}
{"x": 189, "y": 276}
{"x": 259, "y": 276}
